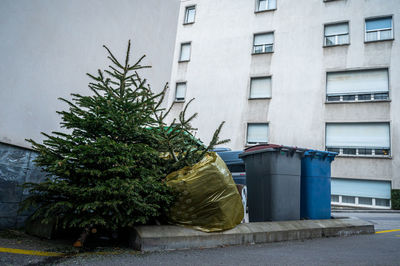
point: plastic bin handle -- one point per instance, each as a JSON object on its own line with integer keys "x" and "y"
{"x": 292, "y": 150}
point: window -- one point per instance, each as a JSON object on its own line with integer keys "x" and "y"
{"x": 336, "y": 34}
{"x": 360, "y": 85}
{"x": 360, "y": 139}
{"x": 348, "y": 199}
{"x": 257, "y": 133}
{"x": 262, "y": 5}
{"x": 360, "y": 192}
{"x": 180, "y": 91}
{"x": 334, "y": 198}
{"x": 263, "y": 43}
{"x": 190, "y": 13}
{"x": 185, "y": 52}
{"x": 364, "y": 201}
{"x": 378, "y": 29}
{"x": 382, "y": 202}
{"x": 260, "y": 87}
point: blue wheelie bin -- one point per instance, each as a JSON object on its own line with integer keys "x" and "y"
{"x": 315, "y": 201}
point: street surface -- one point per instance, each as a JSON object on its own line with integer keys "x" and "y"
{"x": 378, "y": 249}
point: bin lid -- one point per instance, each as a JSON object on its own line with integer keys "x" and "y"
{"x": 262, "y": 146}
{"x": 321, "y": 154}
{"x": 269, "y": 148}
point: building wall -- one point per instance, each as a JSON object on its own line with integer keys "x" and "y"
{"x": 221, "y": 64}
{"x": 46, "y": 48}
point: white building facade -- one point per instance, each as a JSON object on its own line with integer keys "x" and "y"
{"x": 317, "y": 74}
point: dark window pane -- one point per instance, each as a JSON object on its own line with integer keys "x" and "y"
{"x": 349, "y": 151}
{"x": 333, "y": 98}
{"x": 364, "y": 201}
{"x": 364, "y": 97}
{"x": 365, "y": 151}
{"x": 382, "y": 202}
{"x": 348, "y": 199}
{"x": 334, "y": 198}
{"x": 349, "y": 97}
{"x": 381, "y": 152}
{"x": 381, "y": 96}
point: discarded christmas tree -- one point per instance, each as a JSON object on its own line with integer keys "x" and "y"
{"x": 106, "y": 170}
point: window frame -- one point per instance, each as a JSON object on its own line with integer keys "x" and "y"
{"x": 180, "y": 52}
{"x": 375, "y": 18}
{"x": 257, "y": 10}
{"x": 357, "y": 154}
{"x": 247, "y": 133}
{"x": 332, "y": 24}
{"x": 259, "y": 77}
{"x": 176, "y": 90}
{"x": 264, "y": 52}
{"x": 356, "y": 98}
{"x": 186, "y": 14}
{"x": 357, "y": 203}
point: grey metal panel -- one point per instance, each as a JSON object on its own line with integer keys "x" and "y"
{"x": 10, "y": 191}
{"x": 16, "y": 168}
{"x": 8, "y": 209}
{"x": 7, "y": 222}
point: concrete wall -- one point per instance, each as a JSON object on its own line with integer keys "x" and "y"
{"x": 47, "y": 47}
{"x": 221, "y": 64}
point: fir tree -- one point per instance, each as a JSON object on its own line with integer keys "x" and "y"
{"x": 107, "y": 169}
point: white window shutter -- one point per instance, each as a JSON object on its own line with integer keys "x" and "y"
{"x": 180, "y": 91}
{"x": 365, "y": 81}
{"x": 257, "y": 133}
{"x": 266, "y": 38}
{"x": 358, "y": 135}
{"x": 260, "y": 87}
{"x": 185, "y": 52}
{"x": 378, "y": 24}
{"x": 336, "y": 29}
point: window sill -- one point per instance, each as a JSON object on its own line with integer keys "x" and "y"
{"x": 374, "y": 101}
{"x": 264, "y": 11}
{"x": 183, "y": 61}
{"x": 248, "y": 145}
{"x": 260, "y": 98}
{"x": 262, "y": 53}
{"x": 336, "y": 45}
{"x": 385, "y": 40}
{"x": 179, "y": 101}
{"x": 188, "y": 23}
{"x": 365, "y": 156}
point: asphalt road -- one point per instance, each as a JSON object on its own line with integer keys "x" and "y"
{"x": 377, "y": 249}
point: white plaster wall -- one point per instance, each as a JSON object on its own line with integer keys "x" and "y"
{"x": 221, "y": 65}
{"x": 47, "y": 46}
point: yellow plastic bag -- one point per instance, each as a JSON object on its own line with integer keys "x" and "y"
{"x": 207, "y": 196}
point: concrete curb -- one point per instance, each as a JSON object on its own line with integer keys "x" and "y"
{"x": 170, "y": 237}
{"x": 365, "y": 211}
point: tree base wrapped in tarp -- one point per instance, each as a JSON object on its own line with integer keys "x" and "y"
{"x": 207, "y": 197}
